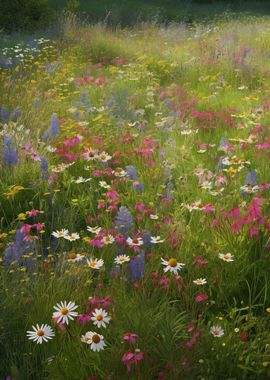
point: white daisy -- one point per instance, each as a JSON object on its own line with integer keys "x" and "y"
{"x": 121, "y": 259}
{"x": 51, "y": 149}
{"x": 153, "y": 217}
{"x": 96, "y": 341}
{"x": 136, "y": 242}
{"x": 200, "y": 281}
{"x": 74, "y": 257}
{"x": 74, "y": 236}
{"x": 95, "y": 263}
{"x": 104, "y": 185}
{"x": 172, "y": 265}
{"x": 156, "y": 240}
{"x": 104, "y": 157}
{"x": 95, "y": 230}
{"x": 60, "y": 234}
{"x": 81, "y": 180}
{"x": 100, "y": 318}
{"x": 226, "y": 257}
{"x": 64, "y": 312}
{"x": 40, "y": 333}
{"x": 120, "y": 172}
{"x": 90, "y": 154}
{"x": 108, "y": 239}
{"x": 216, "y": 331}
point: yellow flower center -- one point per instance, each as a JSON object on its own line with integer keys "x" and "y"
{"x": 99, "y": 317}
{"x": 64, "y": 311}
{"x": 172, "y": 262}
{"x": 96, "y": 339}
{"x": 226, "y": 257}
{"x": 93, "y": 264}
{"x": 135, "y": 241}
{"x": 40, "y": 333}
{"x": 72, "y": 256}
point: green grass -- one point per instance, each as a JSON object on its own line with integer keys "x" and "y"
{"x": 133, "y": 93}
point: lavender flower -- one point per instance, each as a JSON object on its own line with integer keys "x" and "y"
{"x": 131, "y": 172}
{"x": 9, "y": 152}
{"x": 53, "y": 129}
{"x": 136, "y": 267}
{"x": 44, "y": 168}
{"x": 124, "y": 220}
{"x": 4, "y": 114}
{"x": 251, "y": 178}
{"x": 137, "y": 185}
{"x": 14, "y": 252}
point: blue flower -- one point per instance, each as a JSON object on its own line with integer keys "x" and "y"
{"x": 124, "y": 220}
{"x": 44, "y": 168}
{"x": 9, "y": 152}
{"x": 15, "y": 252}
{"x": 251, "y": 178}
{"x": 53, "y": 129}
{"x": 136, "y": 267}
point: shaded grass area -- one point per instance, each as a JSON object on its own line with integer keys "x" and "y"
{"x": 129, "y": 12}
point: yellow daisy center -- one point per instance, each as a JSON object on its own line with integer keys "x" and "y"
{"x": 93, "y": 264}
{"x": 99, "y": 317}
{"x": 40, "y": 333}
{"x": 172, "y": 262}
{"x": 96, "y": 339}
{"x": 72, "y": 256}
{"x": 64, "y": 311}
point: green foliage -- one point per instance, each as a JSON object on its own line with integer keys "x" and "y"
{"x": 24, "y": 14}
{"x": 73, "y": 6}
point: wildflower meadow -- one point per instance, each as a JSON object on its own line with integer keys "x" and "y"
{"x": 134, "y": 202}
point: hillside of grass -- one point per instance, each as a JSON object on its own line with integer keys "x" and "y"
{"x": 134, "y": 202}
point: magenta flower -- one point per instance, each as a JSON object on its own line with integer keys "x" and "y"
{"x": 201, "y": 297}
{"x": 130, "y": 337}
{"x": 130, "y": 358}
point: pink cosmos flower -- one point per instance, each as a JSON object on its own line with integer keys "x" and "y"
{"x": 201, "y": 297}
{"x": 130, "y": 337}
{"x": 130, "y": 358}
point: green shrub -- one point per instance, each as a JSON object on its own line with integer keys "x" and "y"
{"x": 24, "y": 14}
{"x": 73, "y": 6}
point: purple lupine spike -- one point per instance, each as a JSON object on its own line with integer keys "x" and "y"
{"x": 131, "y": 172}
{"x": 135, "y": 268}
{"x": 15, "y": 251}
{"x": 15, "y": 114}
{"x": 251, "y": 178}
{"x": 137, "y": 185}
{"x": 44, "y": 168}
{"x": 4, "y": 114}
{"x": 124, "y": 220}
{"x": 54, "y": 126}
{"x": 9, "y": 152}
